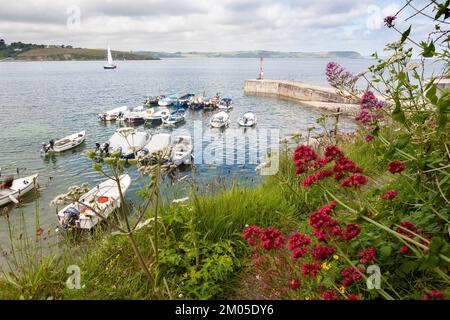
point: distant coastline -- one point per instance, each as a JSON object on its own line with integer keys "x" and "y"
{"x": 255, "y": 54}
{"x": 19, "y": 51}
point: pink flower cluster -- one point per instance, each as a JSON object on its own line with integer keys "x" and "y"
{"x": 369, "y": 112}
{"x": 338, "y": 77}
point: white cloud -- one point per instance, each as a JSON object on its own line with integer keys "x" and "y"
{"x": 180, "y": 25}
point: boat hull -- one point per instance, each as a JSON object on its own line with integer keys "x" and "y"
{"x": 110, "y": 67}
{"x": 88, "y": 219}
{"x": 19, "y": 188}
{"x": 73, "y": 141}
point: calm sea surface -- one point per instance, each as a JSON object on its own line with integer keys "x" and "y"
{"x": 44, "y": 100}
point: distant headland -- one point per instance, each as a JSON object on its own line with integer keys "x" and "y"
{"x": 40, "y": 52}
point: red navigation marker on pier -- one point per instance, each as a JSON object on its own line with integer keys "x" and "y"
{"x": 261, "y": 72}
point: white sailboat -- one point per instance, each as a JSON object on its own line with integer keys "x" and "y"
{"x": 110, "y": 64}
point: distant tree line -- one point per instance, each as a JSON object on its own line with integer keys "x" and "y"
{"x": 15, "y": 48}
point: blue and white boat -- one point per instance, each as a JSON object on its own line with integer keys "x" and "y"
{"x": 157, "y": 115}
{"x": 225, "y": 104}
{"x": 175, "y": 118}
{"x": 176, "y": 100}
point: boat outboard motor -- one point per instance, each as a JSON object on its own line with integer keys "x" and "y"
{"x": 104, "y": 149}
{"x": 71, "y": 215}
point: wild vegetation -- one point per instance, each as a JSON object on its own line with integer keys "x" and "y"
{"x": 360, "y": 216}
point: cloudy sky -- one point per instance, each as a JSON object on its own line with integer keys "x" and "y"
{"x": 200, "y": 25}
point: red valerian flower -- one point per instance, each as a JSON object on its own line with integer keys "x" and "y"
{"x": 303, "y": 154}
{"x": 297, "y": 240}
{"x": 333, "y": 152}
{"x": 251, "y": 233}
{"x": 294, "y": 283}
{"x": 299, "y": 252}
{"x": 351, "y": 231}
{"x": 409, "y": 226}
{"x": 345, "y": 164}
{"x": 321, "y": 162}
{"x": 272, "y": 239}
{"x": 368, "y": 100}
{"x": 330, "y": 295}
{"x": 389, "y": 195}
{"x": 433, "y": 294}
{"x": 309, "y": 180}
{"x": 405, "y": 250}
{"x": 311, "y": 269}
{"x": 322, "y": 252}
{"x": 367, "y": 256}
{"x": 354, "y": 181}
{"x": 351, "y": 274}
{"x": 300, "y": 169}
{"x": 389, "y": 21}
{"x": 338, "y": 77}
{"x": 338, "y": 176}
{"x": 320, "y": 218}
{"x": 322, "y": 174}
{"x": 369, "y": 137}
{"x": 352, "y": 296}
{"x": 396, "y": 166}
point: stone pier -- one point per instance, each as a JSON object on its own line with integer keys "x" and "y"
{"x": 325, "y": 98}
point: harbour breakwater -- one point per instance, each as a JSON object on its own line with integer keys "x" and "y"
{"x": 326, "y": 98}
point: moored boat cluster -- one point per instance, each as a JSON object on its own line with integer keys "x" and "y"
{"x": 129, "y": 143}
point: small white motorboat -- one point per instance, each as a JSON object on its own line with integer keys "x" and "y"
{"x": 219, "y": 120}
{"x": 128, "y": 141}
{"x": 175, "y": 118}
{"x": 103, "y": 199}
{"x": 67, "y": 143}
{"x": 248, "y": 119}
{"x": 12, "y": 189}
{"x": 134, "y": 117}
{"x": 158, "y": 142}
{"x": 113, "y": 114}
{"x": 182, "y": 150}
{"x": 157, "y": 115}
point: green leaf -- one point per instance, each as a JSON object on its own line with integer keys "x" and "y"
{"x": 398, "y": 115}
{"x": 431, "y": 95}
{"x": 402, "y": 141}
{"x": 386, "y": 251}
{"x": 405, "y": 35}
{"x": 428, "y": 49}
{"x": 408, "y": 266}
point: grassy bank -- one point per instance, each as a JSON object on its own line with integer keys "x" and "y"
{"x": 202, "y": 254}
{"x": 61, "y": 54}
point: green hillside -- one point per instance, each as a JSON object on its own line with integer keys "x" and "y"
{"x": 52, "y": 54}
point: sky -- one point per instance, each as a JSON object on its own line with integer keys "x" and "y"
{"x": 214, "y": 25}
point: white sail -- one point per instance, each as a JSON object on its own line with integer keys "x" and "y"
{"x": 110, "y": 59}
